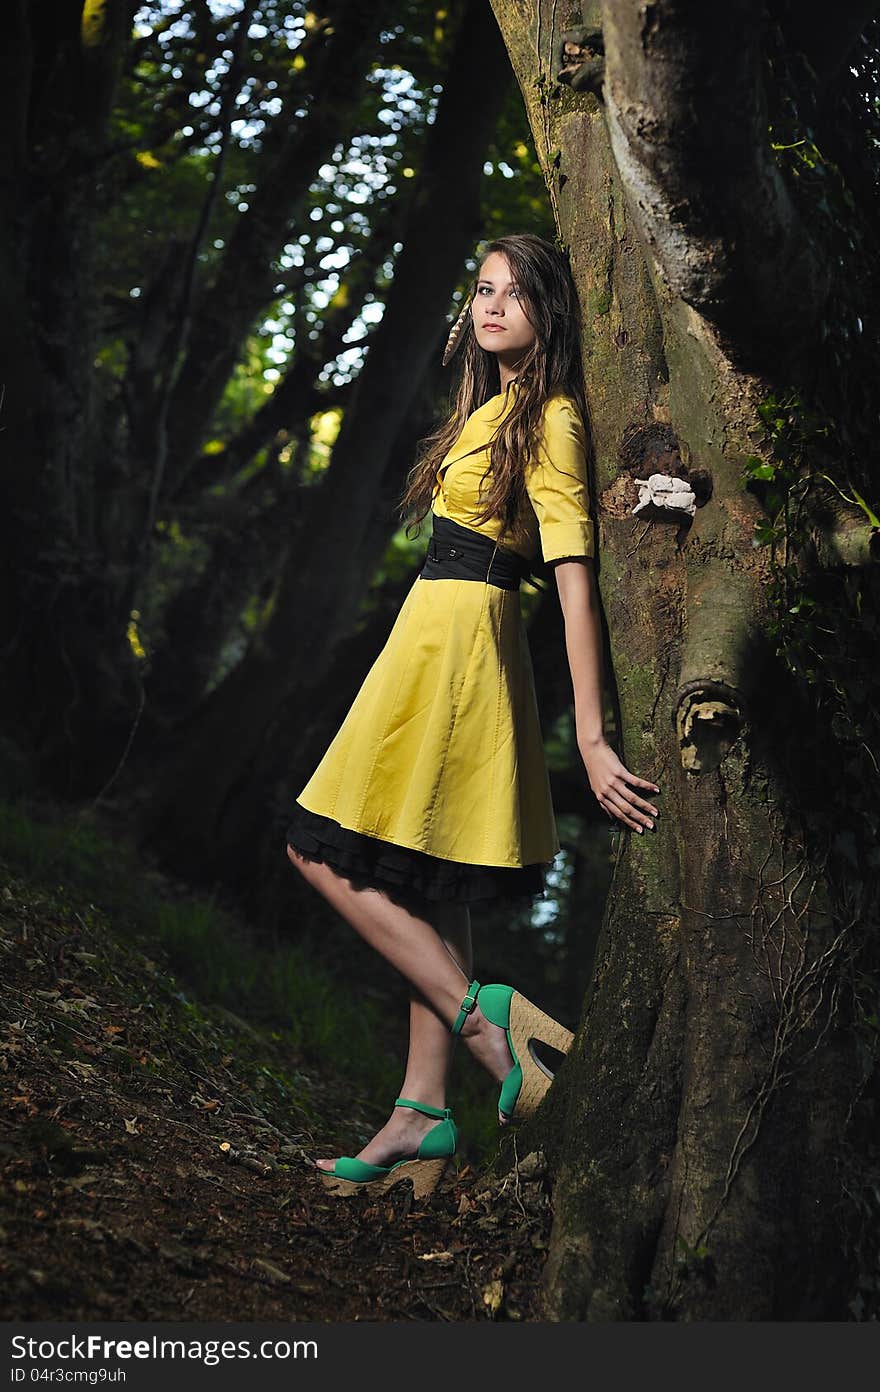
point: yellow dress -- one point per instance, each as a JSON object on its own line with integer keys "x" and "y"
{"x": 441, "y": 753}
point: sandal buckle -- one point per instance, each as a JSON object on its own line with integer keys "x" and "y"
{"x": 467, "y": 1005}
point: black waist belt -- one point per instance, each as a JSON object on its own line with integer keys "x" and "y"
{"x": 457, "y": 552}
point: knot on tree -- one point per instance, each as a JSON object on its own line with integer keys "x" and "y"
{"x": 582, "y": 59}
{"x": 708, "y": 717}
{"x": 668, "y": 487}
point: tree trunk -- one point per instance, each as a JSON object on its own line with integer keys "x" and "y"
{"x": 70, "y": 682}
{"x": 695, "y": 1131}
{"x": 249, "y": 533}
{"x": 295, "y": 151}
{"x": 81, "y": 487}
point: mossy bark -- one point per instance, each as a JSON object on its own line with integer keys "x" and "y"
{"x": 691, "y": 1129}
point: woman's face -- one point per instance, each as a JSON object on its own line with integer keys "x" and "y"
{"x": 500, "y": 322}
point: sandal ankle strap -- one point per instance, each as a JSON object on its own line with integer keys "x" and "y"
{"x": 441, "y": 1113}
{"x": 467, "y": 1006}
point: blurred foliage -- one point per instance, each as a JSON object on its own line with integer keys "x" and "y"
{"x": 166, "y": 132}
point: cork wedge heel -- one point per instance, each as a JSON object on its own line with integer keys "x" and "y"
{"x": 529, "y": 1080}
{"x": 424, "y": 1174}
{"x": 425, "y": 1170}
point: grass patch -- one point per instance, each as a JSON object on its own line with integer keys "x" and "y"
{"x": 282, "y": 989}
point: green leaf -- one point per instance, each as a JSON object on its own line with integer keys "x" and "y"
{"x": 857, "y": 500}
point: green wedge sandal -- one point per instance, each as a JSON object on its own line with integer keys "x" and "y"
{"x": 529, "y": 1080}
{"x": 425, "y": 1170}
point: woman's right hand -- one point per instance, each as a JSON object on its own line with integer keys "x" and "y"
{"x": 614, "y": 786}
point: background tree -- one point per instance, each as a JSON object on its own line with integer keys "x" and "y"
{"x": 714, "y": 174}
{"x": 184, "y": 198}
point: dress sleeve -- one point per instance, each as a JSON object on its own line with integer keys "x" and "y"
{"x": 556, "y": 483}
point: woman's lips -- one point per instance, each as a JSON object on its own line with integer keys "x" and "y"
{"x": 494, "y": 328}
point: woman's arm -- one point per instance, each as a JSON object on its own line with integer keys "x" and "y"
{"x": 609, "y": 779}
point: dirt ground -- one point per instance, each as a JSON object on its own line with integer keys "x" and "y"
{"x": 155, "y": 1161}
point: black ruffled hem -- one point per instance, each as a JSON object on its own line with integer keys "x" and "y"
{"x": 368, "y": 860}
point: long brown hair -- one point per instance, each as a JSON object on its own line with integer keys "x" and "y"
{"x": 552, "y": 364}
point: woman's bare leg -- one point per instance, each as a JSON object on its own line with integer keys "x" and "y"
{"x": 404, "y": 937}
{"x": 410, "y": 942}
{"x": 430, "y": 1052}
{"x": 430, "y": 1041}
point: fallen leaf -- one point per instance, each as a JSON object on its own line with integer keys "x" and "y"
{"x": 130, "y": 1126}
{"x": 532, "y": 1166}
{"x": 85, "y": 1070}
{"x": 24, "y": 1104}
{"x": 493, "y": 1294}
{"x": 87, "y": 1225}
{"x": 77, "y": 1005}
{"x": 253, "y": 1162}
{"x": 273, "y": 1272}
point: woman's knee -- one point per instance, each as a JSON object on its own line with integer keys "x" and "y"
{"x": 300, "y": 861}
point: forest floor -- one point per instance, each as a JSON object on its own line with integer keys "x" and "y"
{"x": 155, "y": 1157}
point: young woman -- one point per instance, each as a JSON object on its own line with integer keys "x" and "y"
{"x": 434, "y": 794}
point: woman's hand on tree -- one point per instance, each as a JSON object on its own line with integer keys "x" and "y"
{"x": 615, "y": 787}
